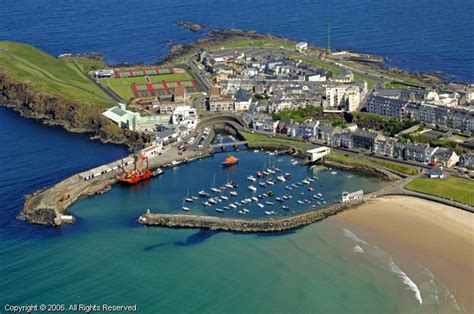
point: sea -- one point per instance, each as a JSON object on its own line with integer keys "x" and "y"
{"x": 107, "y": 258}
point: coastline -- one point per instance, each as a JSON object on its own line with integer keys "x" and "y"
{"x": 436, "y": 236}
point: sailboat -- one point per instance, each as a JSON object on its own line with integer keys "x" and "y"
{"x": 188, "y": 199}
{"x": 184, "y": 207}
{"x": 213, "y": 188}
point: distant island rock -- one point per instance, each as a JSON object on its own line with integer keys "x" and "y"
{"x": 194, "y": 27}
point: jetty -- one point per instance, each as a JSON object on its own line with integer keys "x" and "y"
{"x": 241, "y": 225}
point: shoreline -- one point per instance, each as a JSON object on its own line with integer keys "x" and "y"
{"x": 436, "y": 236}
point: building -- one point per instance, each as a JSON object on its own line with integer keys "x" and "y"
{"x": 124, "y": 118}
{"x": 184, "y": 115}
{"x": 419, "y": 152}
{"x": 388, "y": 107}
{"x": 466, "y": 161}
{"x": 344, "y": 77}
{"x": 153, "y": 150}
{"x": 365, "y": 140}
{"x": 317, "y": 153}
{"x": 326, "y": 133}
{"x": 346, "y": 96}
{"x": 301, "y": 46}
{"x": 243, "y": 100}
{"x": 445, "y": 157}
{"x": 435, "y": 173}
{"x": 167, "y": 136}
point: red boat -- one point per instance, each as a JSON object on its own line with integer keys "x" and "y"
{"x": 136, "y": 175}
{"x": 229, "y": 161}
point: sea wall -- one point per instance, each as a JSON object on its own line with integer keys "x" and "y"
{"x": 240, "y": 225}
{"x": 362, "y": 169}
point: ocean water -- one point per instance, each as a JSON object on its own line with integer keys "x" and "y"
{"x": 425, "y": 35}
{"x": 108, "y": 258}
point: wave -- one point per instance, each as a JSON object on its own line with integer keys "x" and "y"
{"x": 386, "y": 260}
{"x": 349, "y": 234}
{"x": 407, "y": 281}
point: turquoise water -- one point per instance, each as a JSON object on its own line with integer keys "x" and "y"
{"x": 108, "y": 258}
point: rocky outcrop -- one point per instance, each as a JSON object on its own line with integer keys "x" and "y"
{"x": 193, "y": 27}
{"x": 240, "y": 225}
{"x": 53, "y": 110}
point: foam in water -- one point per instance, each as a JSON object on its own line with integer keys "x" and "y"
{"x": 406, "y": 280}
{"x": 375, "y": 251}
{"x": 357, "y": 249}
{"x": 352, "y": 236}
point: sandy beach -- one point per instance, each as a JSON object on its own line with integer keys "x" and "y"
{"x": 436, "y": 236}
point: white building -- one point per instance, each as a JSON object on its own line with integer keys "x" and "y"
{"x": 317, "y": 153}
{"x": 301, "y": 46}
{"x": 124, "y": 118}
{"x": 184, "y": 115}
{"x": 347, "y": 96}
{"x": 153, "y": 150}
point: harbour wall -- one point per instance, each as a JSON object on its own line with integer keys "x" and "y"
{"x": 240, "y": 225}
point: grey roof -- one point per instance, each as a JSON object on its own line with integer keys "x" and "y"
{"x": 119, "y": 111}
{"x": 165, "y": 133}
{"x": 242, "y": 95}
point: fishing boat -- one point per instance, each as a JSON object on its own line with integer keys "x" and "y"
{"x": 254, "y": 198}
{"x": 194, "y": 197}
{"x": 206, "y": 203}
{"x": 262, "y": 183}
{"x": 300, "y": 202}
{"x": 305, "y": 181}
{"x": 213, "y": 188}
{"x": 230, "y": 161}
{"x": 212, "y": 201}
{"x": 260, "y": 205}
{"x": 233, "y": 206}
{"x": 285, "y": 207}
{"x": 267, "y": 213}
{"x": 246, "y": 210}
{"x": 252, "y": 188}
{"x": 333, "y": 172}
{"x": 270, "y": 182}
{"x": 319, "y": 194}
{"x": 270, "y": 193}
{"x": 265, "y": 173}
{"x": 288, "y": 187}
{"x": 226, "y": 207}
{"x": 288, "y": 176}
{"x": 281, "y": 178}
{"x": 225, "y": 198}
{"x": 294, "y": 163}
{"x": 310, "y": 189}
{"x": 269, "y": 203}
{"x": 219, "y": 210}
{"x": 233, "y": 193}
{"x": 203, "y": 193}
{"x": 279, "y": 199}
{"x": 285, "y": 197}
{"x": 241, "y": 212}
{"x": 136, "y": 175}
{"x": 259, "y": 174}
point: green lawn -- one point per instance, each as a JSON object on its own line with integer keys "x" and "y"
{"x": 319, "y": 64}
{"x": 396, "y": 166}
{"x": 454, "y": 188}
{"x": 370, "y": 82}
{"x": 44, "y": 73}
{"x": 346, "y": 159}
{"x": 253, "y": 138}
{"x": 396, "y": 85}
{"x": 244, "y": 42}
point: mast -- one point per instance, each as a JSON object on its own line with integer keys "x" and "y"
{"x": 329, "y": 37}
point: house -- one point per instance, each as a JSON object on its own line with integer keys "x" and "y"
{"x": 309, "y": 129}
{"x": 282, "y": 126}
{"x": 435, "y": 173}
{"x": 419, "y": 152}
{"x": 344, "y": 76}
{"x": 466, "y": 161}
{"x": 445, "y": 157}
{"x": 153, "y": 150}
{"x": 343, "y": 139}
{"x": 326, "y": 133}
{"x": 243, "y": 99}
{"x": 365, "y": 139}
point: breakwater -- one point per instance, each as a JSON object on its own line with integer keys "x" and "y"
{"x": 45, "y": 207}
{"x": 241, "y": 225}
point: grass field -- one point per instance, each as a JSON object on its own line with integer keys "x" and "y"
{"x": 244, "y": 43}
{"x": 47, "y": 74}
{"x": 346, "y": 159}
{"x": 396, "y": 166}
{"x": 370, "y": 82}
{"x": 319, "y": 64}
{"x": 121, "y": 86}
{"x": 453, "y": 188}
{"x": 259, "y": 139}
{"x": 396, "y": 85}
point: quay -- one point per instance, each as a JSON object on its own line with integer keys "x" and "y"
{"x": 49, "y": 206}
{"x": 241, "y": 225}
